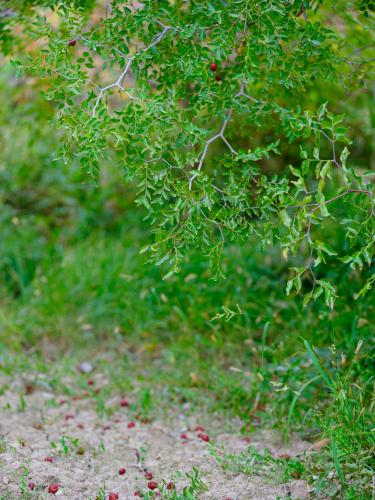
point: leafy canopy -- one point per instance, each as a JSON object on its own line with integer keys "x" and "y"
{"x": 200, "y": 104}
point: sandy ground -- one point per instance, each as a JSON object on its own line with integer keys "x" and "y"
{"x": 105, "y": 446}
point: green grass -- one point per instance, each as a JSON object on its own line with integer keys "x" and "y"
{"x": 273, "y": 363}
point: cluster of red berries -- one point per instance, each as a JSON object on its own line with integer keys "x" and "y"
{"x": 200, "y": 434}
{"x": 53, "y": 488}
{"x": 213, "y": 68}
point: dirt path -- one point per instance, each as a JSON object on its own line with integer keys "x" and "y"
{"x": 87, "y": 462}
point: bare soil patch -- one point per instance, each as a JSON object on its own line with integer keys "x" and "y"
{"x": 98, "y": 449}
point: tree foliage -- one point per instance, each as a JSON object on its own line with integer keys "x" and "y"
{"x": 200, "y": 104}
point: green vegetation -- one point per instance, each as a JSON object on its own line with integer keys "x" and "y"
{"x": 219, "y": 333}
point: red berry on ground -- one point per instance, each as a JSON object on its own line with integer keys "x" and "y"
{"x": 124, "y": 403}
{"x": 152, "y": 485}
{"x": 113, "y": 496}
{"x": 213, "y": 66}
{"x": 148, "y": 475}
{"x": 53, "y": 488}
{"x": 183, "y": 436}
{"x": 171, "y": 486}
{"x": 90, "y": 381}
{"x": 80, "y": 426}
{"x": 31, "y": 485}
{"x": 72, "y": 43}
{"x": 69, "y": 417}
{"x": 49, "y": 459}
{"x": 218, "y": 78}
{"x": 203, "y": 437}
{"x": 106, "y": 427}
{"x": 199, "y": 428}
{"x": 122, "y": 471}
{"x": 137, "y": 493}
{"x": 131, "y": 425}
{"x": 246, "y": 440}
{"x": 63, "y": 401}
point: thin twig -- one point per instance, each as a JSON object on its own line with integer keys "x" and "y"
{"x": 119, "y": 82}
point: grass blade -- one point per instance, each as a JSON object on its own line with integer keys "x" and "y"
{"x": 293, "y": 404}
{"x": 318, "y": 366}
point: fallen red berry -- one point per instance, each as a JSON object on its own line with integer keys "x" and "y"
{"x": 131, "y": 425}
{"x": 124, "y": 403}
{"x": 137, "y": 493}
{"x": 148, "y": 475}
{"x": 183, "y": 436}
{"x": 203, "y": 437}
{"x": 284, "y": 456}
{"x": 90, "y": 381}
{"x": 213, "y": 66}
{"x": 72, "y": 43}
{"x": 199, "y": 428}
{"x": 49, "y": 459}
{"x": 31, "y": 485}
{"x": 246, "y": 440}
{"x": 113, "y": 496}
{"x": 122, "y": 471}
{"x": 218, "y": 78}
{"x": 80, "y": 426}
{"x": 63, "y": 401}
{"x": 97, "y": 390}
{"x": 152, "y": 485}
{"x": 106, "y": 427}
{"x": 53, "y": 488}
{"x": 171, "y": 486}
{"x": 69, "y": 417}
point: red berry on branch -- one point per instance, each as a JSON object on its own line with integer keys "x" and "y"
{"x": 218, "y": 78}
{"x": 213, "y": 66}
{"x": 72, "y": 43}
